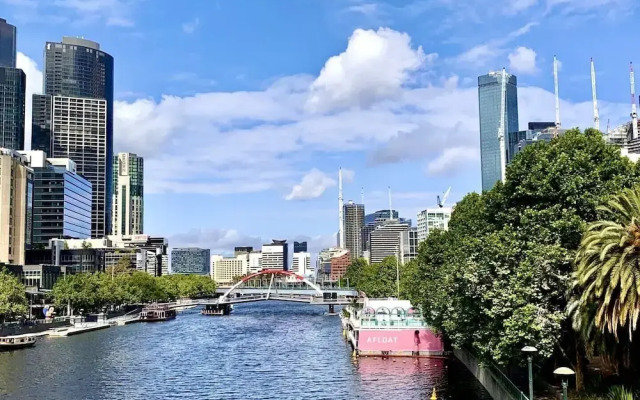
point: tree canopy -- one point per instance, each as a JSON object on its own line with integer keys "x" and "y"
{"x": 13, "y": 301}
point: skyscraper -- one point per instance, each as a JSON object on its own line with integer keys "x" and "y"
{"x": 7, "y": 44}
{"x": 387, "y": 240}
{"x": 353, "y": 223}
{"x": 78, "y": 81}
{"x": 127, "y": 210}
{"x": 489, "y": 100}
{"x": 16, "y": 196}
{"x": 299, "y": 247}
{"x": 191, "y": 260}
{"x": 275, "y": 255}
{"x": 433, "y": 218}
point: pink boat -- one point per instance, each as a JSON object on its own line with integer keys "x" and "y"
{"x": 389, "y": 327}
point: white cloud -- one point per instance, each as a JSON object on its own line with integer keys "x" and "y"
{"x": 367, "y": 9}
{"x": 34, "y": 85}
{"x": 191, "y": 26}
{"x": 111, "y": 12}
{"x": 219, "y": 241}
{"x": 375, "y": 66}
{"x": 452, "y": 160}
{"x": 517, "y": 6}
{"x": 523, "y": 61}
{"x": 313, "y": 185}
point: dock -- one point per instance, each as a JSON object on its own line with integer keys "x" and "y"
{"x": 76, "y": 330}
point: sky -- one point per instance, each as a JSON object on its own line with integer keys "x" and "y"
{"x": 244, "y": 110}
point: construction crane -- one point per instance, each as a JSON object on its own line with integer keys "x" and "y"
{"x": 442, "y": 201}
{"x": 340, "y": 211}
{"x": 555, "y": 84}
{"x": 634, "y": 114}
{"x": 596, "y": 116}
{"x": 501, "y": 128}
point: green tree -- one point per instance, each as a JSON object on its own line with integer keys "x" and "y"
{"x": 80, "y": 291}
{"x": 354, "y": 271}
{"x": 13, "y": 301}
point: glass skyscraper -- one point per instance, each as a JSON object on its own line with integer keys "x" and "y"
{"x": 12, "y": 106}
{"x": 78, "y": 87}
{"x": 127, "y": 211}
{"x": 353, "y": 224}
{"x": 7, "y": 44}
{"x": 489, "y": 99}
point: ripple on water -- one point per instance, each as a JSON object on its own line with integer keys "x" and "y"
{"x": 269, "y": 350}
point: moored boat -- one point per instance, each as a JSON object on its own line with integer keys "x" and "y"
{"x": 389, "y": 327}
{"x": 16, "y": 342}
{"x": 157, "y": 313}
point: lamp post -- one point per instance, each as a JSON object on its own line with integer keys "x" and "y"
{"x": 530, "y": 351}
{"x": 564, "y": 373}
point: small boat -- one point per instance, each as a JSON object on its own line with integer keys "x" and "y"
{"x": 157, "y": 313}
{"x": 16, "y": 342}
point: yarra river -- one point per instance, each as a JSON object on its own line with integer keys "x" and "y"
{"x": 265, "y": 350}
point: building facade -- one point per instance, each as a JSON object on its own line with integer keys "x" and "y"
{"x": 301, "y": 264}
{"x": 339, "y": 263}
{"x": 299, "y": 247}
{"x": 127, "y": 207}
{"x": 353, "y": 224}
{"x": 13, "y": 84}
{"x": 78, "y": 79}
{"x": 16, "y": 213}
{"x": 190, "y": 260}
{"x": 7, "y": 44}
{"x": 387, "y": 240}
{"x": 38, "y": 278}
{"x": 255, "y": 261}
{"x": 433, "y": 218}
{"x": 489, "y": 100}
{"x": 275, "y": 255}
{"x": 226, "y": 269}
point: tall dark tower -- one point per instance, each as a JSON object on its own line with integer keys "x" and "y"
{"x": 12, "y": 91}
{"x": 7, "y": 44}
{"x": 74, "y": 117}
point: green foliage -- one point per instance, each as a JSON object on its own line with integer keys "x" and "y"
{"x": 498, "y": 279}
{"x": 620, "y": 393}
{"x": 380, "y": 279}
{"x": 13, "y": 301}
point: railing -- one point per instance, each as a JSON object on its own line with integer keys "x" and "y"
{"x": 373, "y": 323}
{"x": 505, "y": 382}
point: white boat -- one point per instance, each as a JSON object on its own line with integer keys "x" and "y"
{"x": 16, "y": 342}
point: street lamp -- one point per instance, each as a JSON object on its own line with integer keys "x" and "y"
{"x": 564, "y": 373}
{"x": 530, "y": 351}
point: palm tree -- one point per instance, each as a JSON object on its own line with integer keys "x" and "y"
{"x": 608, "y": 265}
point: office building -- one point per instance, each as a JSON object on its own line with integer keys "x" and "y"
{"x": 255, "y": 261}
{"x": 353, "y": 224}
{"x": 536, "y": 132}
{"x": 61, "y": 199}
{"x": 16, "y": 213}
{"x": 489, "y": 100}
{"x": 411, "y": 244}
{"x": 380, "y": 216}
{"x": 242, "y": 250}
{"x": 38, "y": 278}
{"x": 77, "y": 259}
{"x": 433, "y": 218}
{"x": 13, "y": 83}
{"x": 339, "y": 262}
{"x": 324, "y": 262}
{"x": 190, "y": 260}
{"x": 275, "y": 255}
{"x": 299, "y": 247}
{"x": 387, "y": 240}
{"x": 127, "y": 207}
{"x": 226, "y": 270}
{"x": 301, "y": 264}
{"x": 151, "y": 252}
{"x": 374, "y": 220}
{"x": 78, "y": 99}
{"x": 7, "y": 44}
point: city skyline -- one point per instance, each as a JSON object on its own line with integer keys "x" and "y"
{"x": 191, "y": 205}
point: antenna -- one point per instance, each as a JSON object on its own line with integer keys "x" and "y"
{"x": 503, "y": 89}
{"x": 341, "y": 210}
{"x": 555, "y": 84}
{"x": 596, "y": 116}
{"x": 634, "y": 115}
{"x": 390, "y": 209}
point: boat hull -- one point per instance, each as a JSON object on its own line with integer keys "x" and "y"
{"x": 398, "y": 342}
{"x": 157, "y": 319}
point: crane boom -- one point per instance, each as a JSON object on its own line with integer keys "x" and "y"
{"x": 442, "y": 201}
{"x": 501, "y": 128}
{"x": 596, "y": 115}
{"x": 340, "y": 211}
{"x": 634, "y": 114}
{"x": 557, "y": 97}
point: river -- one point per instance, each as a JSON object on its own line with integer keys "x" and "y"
{"x": 266, "y": 350}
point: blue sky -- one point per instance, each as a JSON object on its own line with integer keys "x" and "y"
{"x": 245, "y": 109}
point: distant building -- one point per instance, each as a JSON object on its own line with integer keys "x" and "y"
{"x": 299, "y": 247}
{"x": 127, "y": 208}
{"x": 275, "y": 255}
{"x": 242, "y": 250}
{"x": 387, "y": 240}
{"x": 302, "y": 264}
{"x": 353, "y": 224}
{"x": 410, "y": 248}
{"x": 16, "y": 213}
{"x": 38, "y": 278}
{"x": 225, "y": 269}
{"x": 380, "y": 216}
{"x": 537, "y": 132}
{"x": 374, "y": 220}
{"x": 323, "y": 270}
{"x": 76, "y": 260}
{"x": 433, "y": 218}
{"x": 489, "y": 100}
{"x": 339, "y": 262}
{"x": 151, "y": 252}
{"x": 190, "y": 260}
{"x": 255, "y": 261}
{"x": 7, "y": 44}
{"x": 13, "y": 84}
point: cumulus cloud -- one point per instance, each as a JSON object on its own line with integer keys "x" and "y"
{"x": 375, "y": 66}
{"x": 219, "y": 241}
{"x": 523, "y": 61}
{"x": 313, "y": 185}
{"x": 453, "y": 159}
{"x": 34, "y": 85}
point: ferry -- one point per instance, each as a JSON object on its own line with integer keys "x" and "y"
{"x": 388, "y": 328}
{"x": 16, "y": 342}
{"x": 156, "y": 313}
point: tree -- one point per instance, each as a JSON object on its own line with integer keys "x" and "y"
{"x": 123, "y": 266}
{"x": 13, "y": 301}
{"x": 608, "y": 264}
{"x": 80, "y": 291}
{"x": 354, "y": 271}
{"x": 86, "y": 245}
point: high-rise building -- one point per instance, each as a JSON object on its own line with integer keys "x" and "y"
{"x": 255, "y": 261}
{"x": 191, "y": 260}
{"x": 433, "y": 218}
{"x": 127, "y": 209}
{"x": 353, "y": 223}
{"x": 388, "y": 240}
{"x": 226, "y": 269}
{"x": 301, "y": 264}
{"x": 411, "y": 245}
{"x": 275, "y": 255}
{"x": 339, "y": 263}
{"x": 537, "y": 132}
{"x": 242, "y": 250}
{"x": 78, "y": 81}
{"x": 373, "y": 220}
{"x": 299, "y": 247}
{"x": 16, "y": 197}
{"x": 13, "y": 83}
{"x": 7, "y": 44}
{"x": 61, "y": 200}
{"x": 490, "y": 100}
